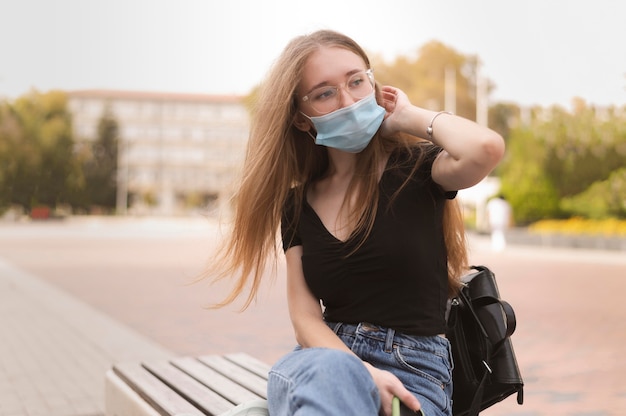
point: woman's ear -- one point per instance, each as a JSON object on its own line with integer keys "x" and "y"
{"x": 301, "y": 122}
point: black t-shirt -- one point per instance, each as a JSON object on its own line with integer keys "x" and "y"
{"x": 398, "y": 277}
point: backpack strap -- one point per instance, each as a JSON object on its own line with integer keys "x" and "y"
{"x": 478, "y": 395}
{"x": 474, "y": 409}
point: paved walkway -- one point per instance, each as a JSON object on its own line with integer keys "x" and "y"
{"x": 55, "y": 349}
{"x": 64, "y": 320}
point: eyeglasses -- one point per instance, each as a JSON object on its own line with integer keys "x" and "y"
{"x": 327, "y": 99}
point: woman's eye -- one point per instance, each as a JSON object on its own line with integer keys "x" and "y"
{"x": 325, "y": 94}
{"x": 356, "y": 82}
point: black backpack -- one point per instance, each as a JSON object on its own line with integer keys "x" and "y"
{"x": 479, "y": 328}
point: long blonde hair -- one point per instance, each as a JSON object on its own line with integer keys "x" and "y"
{"x": 280, "y": 157}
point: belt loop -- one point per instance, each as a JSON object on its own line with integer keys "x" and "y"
{"x": 389, "y": 340}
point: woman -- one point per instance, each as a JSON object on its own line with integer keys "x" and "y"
{"x": 372, "y": 235}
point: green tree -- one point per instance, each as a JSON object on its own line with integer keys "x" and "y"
{"x": 37, "y": 145}
{"x": 568, "y": 156}
{"x": 503, "y": 117}
{"x": 583, "y": 147}
{"x": 10, "y": 153}
{"x": 101, "y": 166}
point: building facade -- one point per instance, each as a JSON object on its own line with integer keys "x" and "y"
{"x": 177, "y": 153}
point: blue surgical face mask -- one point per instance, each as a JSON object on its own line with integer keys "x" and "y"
{"x": 350, "y": 128}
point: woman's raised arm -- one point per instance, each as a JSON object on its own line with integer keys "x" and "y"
{"x": 471, "y": 151}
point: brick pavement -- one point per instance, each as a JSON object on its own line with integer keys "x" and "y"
{"x": 55, "y": 349}
{"x": 131, "y": 282}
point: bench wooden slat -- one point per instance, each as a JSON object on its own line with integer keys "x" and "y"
{"x": 189, "y": 388}
{"x": 238, "y": 374}
{"x": 252, "y": 364}
{"x": 214, "y": 380}
{"x": 160, "y": 396}
{"x": 192, "y": 386}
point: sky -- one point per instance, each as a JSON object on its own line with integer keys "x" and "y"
{"x": 536, "y": 52}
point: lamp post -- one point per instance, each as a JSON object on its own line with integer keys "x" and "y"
{"x": 482, "y": 104}
{"x": 450, "y": 90}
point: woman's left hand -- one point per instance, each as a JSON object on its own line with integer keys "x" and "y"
{"x": 389, "y": 386}
{"x": 394, "y": 101}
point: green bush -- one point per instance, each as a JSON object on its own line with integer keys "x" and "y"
{"x": 531, "y": 195}
{"x": 603, "y": 199}
{"x": 524, "y": 182}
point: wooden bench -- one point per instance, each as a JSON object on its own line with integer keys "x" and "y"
{"x": 199, "y": 386}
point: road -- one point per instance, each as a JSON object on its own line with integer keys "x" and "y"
{"x": 569, "y": 303}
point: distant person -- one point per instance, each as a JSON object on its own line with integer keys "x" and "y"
{"x": 499, "y": 215}
{"x": 364, "y": 184}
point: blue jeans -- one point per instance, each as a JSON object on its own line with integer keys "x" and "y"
{"x": 321, "y": 381}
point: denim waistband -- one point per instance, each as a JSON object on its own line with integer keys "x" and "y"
{"x": 388, "y": 336}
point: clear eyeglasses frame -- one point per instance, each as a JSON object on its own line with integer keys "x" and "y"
{"x": 327, "y": 98}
